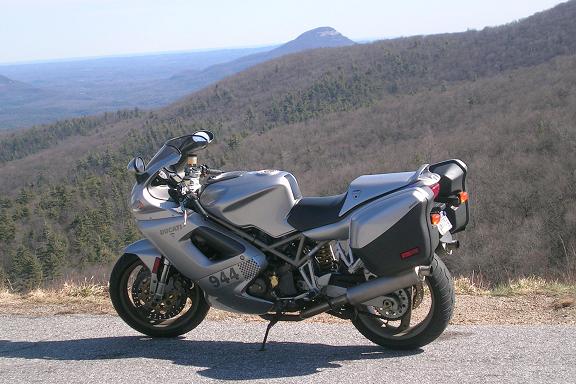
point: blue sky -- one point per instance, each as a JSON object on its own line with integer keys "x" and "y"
{"x": 53, "y": 29}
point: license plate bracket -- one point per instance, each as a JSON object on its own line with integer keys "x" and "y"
{"x": 444, "y": 225}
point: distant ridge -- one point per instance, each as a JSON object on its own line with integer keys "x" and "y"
{"x": 9, "y": 84}
{"x": 322, "y": 37}
{"x": 13, "y": 92}
{"x": 90, "y": 86}
{"x": 37, "y": 93}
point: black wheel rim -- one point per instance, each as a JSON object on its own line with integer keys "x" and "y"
{"x": 385, "y": 328}
{"x": 140, "y": 311}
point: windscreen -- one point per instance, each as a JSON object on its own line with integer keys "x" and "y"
{"x": 172, "y": 151}
{"x": 191, "y": 143}
{"x": 166, "y": 156}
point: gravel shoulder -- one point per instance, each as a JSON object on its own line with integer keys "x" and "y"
{"x": 470, "y": 309}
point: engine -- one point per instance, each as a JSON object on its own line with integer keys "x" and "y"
{"x": 282, "y": 280}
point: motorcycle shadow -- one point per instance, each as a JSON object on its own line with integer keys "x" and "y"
{"x": 225, "y": 360}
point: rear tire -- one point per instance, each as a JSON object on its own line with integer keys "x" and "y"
{"x": 441, "y": 287}
{"x": 137, "y": 316}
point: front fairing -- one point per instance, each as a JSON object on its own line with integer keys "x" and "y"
{"x": 147, "y": 204}
{"x": 166, "y": 157}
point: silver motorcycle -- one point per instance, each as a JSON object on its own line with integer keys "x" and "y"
{"x": 249, "y": 242}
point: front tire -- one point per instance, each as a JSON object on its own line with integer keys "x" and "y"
{"x": 188, "y": 306}
{"x": 440, "y": 286}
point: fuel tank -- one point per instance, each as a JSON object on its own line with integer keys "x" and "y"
{"x": 260, "y": 199}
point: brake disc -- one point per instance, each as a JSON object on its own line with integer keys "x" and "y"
{"x": 169, "y": 306}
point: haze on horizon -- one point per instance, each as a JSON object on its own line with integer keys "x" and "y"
{"x": 44, "y": 30}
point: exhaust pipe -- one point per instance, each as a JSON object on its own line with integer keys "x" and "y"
{"x": 369, "y": 290}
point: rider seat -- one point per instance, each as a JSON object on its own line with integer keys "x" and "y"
{"x": 314, "y": 212}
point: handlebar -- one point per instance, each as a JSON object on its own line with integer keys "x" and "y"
{"x": 192, "y": 202}
{"x": 213, "y": 172}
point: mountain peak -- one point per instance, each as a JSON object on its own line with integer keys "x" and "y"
{"x": 320, "y": 32}
{"x": 321, "y": 37}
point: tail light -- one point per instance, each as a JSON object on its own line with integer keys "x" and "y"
{"x": 435, "y": 189}
{"x": 463, "y": 197}
{"x": 435, "y": 218}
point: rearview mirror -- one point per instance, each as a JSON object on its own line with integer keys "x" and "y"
{"x": 137, "y": 165}
{"x": 203, "y": 136}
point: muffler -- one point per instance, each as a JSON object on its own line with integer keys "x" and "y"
{"x": 369, "y": 290}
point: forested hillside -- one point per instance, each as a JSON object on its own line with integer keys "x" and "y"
{"x": 502, "y": 99}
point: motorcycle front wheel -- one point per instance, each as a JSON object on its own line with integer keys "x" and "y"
{"x": 181, "y": 309}
{"x": 412, "y": 317}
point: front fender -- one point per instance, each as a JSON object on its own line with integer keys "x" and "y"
{"x": 145, "y": 250}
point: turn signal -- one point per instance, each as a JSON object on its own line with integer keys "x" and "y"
{"x": 463, "y": 196}
{"x": 435, "y": 218}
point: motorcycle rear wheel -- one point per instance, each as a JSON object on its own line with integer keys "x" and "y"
{"x": 440, "y": 288}
{"x": 183, "y": 316}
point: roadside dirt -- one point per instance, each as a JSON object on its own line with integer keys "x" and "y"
{"x": 470, "y": 309}
{"x": 536, "y": 309}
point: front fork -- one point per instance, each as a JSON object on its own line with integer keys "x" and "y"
{"x": 158, "y": 286}
{"x": 153, "y": 260}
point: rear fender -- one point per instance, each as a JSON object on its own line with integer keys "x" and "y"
{"x": 146, "y": 251}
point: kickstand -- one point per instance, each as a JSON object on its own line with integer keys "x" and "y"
{"x": 272, "y": 323}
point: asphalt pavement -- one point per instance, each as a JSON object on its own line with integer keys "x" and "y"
{"x": 90, "y": 349}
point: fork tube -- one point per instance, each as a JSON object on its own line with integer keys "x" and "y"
{"x": 162, "y": 283}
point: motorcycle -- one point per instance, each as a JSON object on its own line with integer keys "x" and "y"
{"x": 249, "y": 242}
